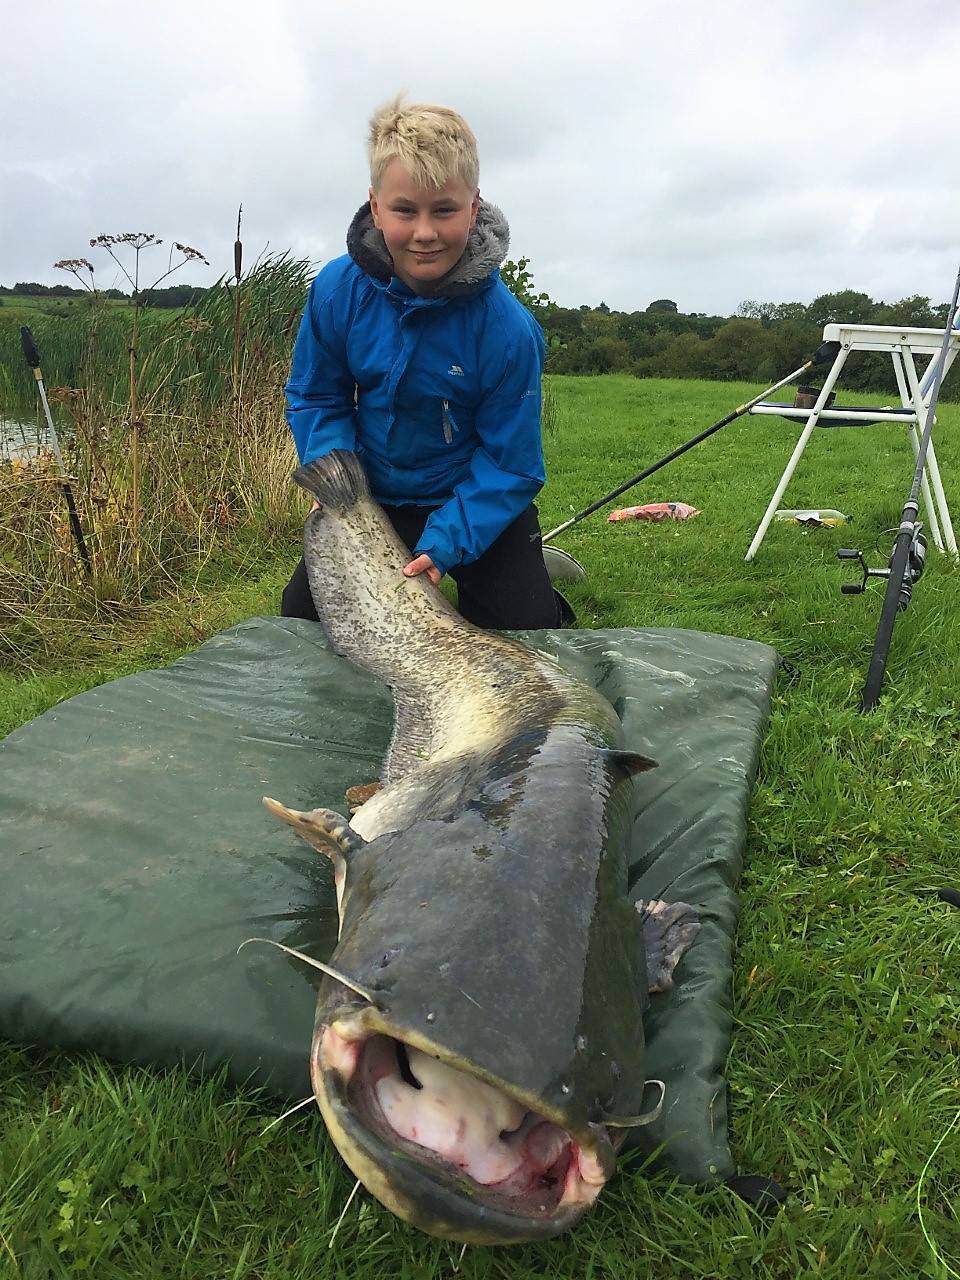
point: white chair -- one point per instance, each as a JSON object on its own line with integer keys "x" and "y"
{"x": 902, "y": 344}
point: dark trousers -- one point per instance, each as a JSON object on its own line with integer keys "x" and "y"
{"x": 507, "y": 588}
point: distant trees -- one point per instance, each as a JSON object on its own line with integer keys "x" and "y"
{"x": 32, "y": 290}
{"x": 763, "y": 341}
{"x": 178, "y": 295}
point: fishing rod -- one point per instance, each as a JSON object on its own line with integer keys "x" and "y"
{"x": 825, "y": 353}
{"x": 32, "y": 357}
{"x": 907, "y": 560}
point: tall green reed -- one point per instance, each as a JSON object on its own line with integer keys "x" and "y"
{"x": 213, "y": 468}
{"x": 185, "y": 357}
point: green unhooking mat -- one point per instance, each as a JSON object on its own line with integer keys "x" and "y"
{"x": 135, "y": 855}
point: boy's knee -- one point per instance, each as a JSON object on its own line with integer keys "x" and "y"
{"x": 296, "y": 600}
{"x": 539, "y": 615}
{"x": 535, "y": 612}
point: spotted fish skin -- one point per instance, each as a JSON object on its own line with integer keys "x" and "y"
{"x": 485, "y": 905}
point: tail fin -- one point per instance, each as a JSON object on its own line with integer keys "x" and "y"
{"x": 337, "y": 480}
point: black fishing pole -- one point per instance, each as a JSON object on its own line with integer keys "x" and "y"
{"x": 909, "y": 550}
{"x": 826, "y": 352}
{"x": 32, "y": 357}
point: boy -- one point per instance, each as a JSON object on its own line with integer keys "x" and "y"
{"x": 414, "y": 353}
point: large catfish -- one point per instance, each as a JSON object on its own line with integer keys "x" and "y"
{"x": 478, "y": 1051}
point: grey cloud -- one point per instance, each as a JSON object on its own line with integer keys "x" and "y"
{"x": 704, "y": 152}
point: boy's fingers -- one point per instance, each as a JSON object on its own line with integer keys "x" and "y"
{"x": 422, "y": 564}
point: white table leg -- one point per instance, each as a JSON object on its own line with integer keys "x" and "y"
{"x": 795, "y": 456}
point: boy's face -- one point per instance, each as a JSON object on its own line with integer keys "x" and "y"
{"x": 425, "y": 231}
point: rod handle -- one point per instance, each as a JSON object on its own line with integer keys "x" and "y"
{"x": 30, "y": 352}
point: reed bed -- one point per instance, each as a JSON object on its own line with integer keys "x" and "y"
{"x": 208, "y": 476}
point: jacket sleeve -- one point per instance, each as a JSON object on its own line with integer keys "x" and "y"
{"x": 506, "y": 471}
{"x": 321, "y": 408}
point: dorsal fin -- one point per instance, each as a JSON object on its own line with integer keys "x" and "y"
{"x": 628, "y": 763}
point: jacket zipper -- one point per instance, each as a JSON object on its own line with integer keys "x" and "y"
{"x": 449, "y": 425}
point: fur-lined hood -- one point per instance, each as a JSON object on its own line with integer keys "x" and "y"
{"x": 487, "y": 246}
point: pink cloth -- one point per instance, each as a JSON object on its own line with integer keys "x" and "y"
{"x": 655, "y": 511}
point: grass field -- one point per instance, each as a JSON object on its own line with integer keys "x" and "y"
{"x": 27, "y": 307}
{"x": 844, "y": 1071}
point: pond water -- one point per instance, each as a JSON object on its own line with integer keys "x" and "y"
{"x": 19, "y": 439}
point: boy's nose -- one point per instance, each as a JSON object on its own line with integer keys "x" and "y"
{"x": 423, "y": 231}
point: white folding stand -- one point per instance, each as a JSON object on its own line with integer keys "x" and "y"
{"x": 915, "y": 393}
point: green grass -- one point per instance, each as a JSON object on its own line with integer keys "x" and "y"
{"x": 25, "y": 308}
{"x": 845, "y": 1065}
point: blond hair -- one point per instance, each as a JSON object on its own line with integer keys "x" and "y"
{"x": 434, "y": 144}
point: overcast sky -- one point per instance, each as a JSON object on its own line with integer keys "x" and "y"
{"x": 706, "y": 152}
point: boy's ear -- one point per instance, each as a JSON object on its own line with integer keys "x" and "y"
{"x": 474, "y": 207}
{"x": 374, "y": 208}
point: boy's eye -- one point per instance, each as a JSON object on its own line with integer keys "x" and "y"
{"x": 443, "y": 212}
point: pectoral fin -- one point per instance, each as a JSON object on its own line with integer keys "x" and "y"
{"x": 329, "y": 832}
{"x": 669, "y": 928}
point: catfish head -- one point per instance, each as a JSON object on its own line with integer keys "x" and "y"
{"x": 478, "y": 1046}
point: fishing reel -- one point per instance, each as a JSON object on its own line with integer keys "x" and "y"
{"x": 916, "y": 562}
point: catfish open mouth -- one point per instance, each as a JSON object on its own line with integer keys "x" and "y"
{"x": 483, "y": 1147}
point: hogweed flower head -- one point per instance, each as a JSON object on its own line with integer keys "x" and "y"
{"x": 191, "y": 255}
{"x": 74, "y": 264}
{"x": 136, "y": 239}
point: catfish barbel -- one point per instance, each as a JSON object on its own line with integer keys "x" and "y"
{"x": 478, "y": 1048}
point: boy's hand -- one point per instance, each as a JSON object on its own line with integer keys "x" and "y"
{"x": 422, "y": 564}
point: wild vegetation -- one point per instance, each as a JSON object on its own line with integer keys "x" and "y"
{"x": 174, "y": 439}
{"x": 843, "y": 1069}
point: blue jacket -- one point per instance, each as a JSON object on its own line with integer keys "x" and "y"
{"x": 439, "y": 395}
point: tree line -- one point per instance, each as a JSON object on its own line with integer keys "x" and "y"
{"x": 760, "y": 343}
{"x": 177, "y": 295}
